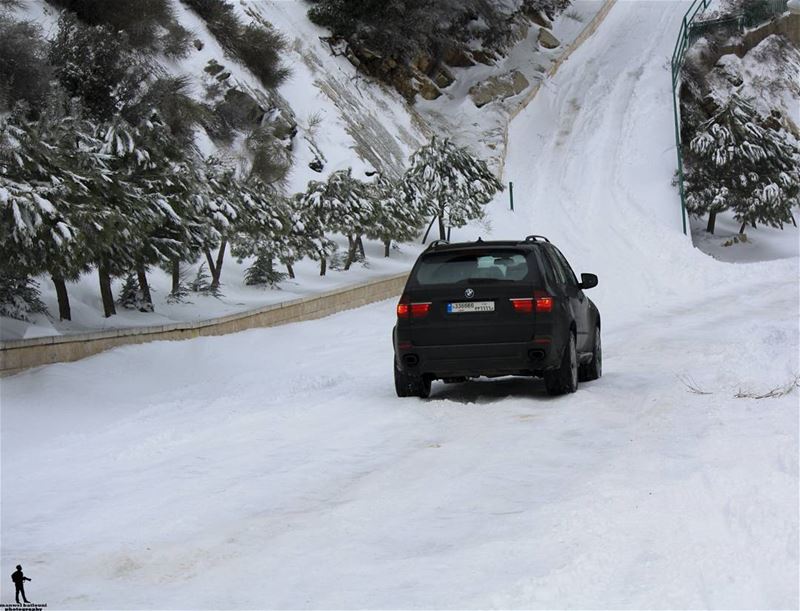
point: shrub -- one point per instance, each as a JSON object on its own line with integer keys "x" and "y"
{"x": 257, "y": 46}
{"x": 148, "y": 24}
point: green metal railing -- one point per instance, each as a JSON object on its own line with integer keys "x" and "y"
{"x": 755, "y": 13}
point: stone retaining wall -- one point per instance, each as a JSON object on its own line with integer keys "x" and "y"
{"x": 23, "y": 354}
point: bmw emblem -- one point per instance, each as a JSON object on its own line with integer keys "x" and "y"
{"x": 469, "y": 293}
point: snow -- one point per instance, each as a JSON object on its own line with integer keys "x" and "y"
{"x": 275, "y": 468}
{"x": 482, "y": 129}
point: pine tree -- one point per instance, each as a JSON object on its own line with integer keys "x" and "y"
{"x": 737, "y": 161}
{"x": 98, "y": 65}
{"x": 306, "y": 234}
{"x": 262, "y": 272}
{"x": 445, "y": 181}
{"x": 132, "y": 297}
{"x": 258, "y": 232}
{"x": 46, "y": 166}
{"x": 396, "y": 217}
{"x": 19, "y": 297}
{"x": 344, "y": 205}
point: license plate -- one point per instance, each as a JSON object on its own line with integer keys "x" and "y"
{"x": 470, "y": 306}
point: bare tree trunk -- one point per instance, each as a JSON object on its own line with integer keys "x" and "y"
{"x": 712, "y": 221}
{"x": 323, "y": 266}
{"x": 176, "y": 276}
{"x": 442, "y": 234}
{"x": 387, "y": 245}
{"x": 64, "y": 312}
{"x": 428, "y": 230}
{"x": 351, "y": 252}
{"x": 105, "y": 291}
{"x": 144, "y": 286}
{"x": 741, "y": 229}
{"x": 360, "y": 244}
{"x": 290, "y": 270}
{"x": 215, "y": 275}
{"x": 212, "y": 269}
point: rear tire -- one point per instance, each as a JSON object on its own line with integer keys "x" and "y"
{"x": 410, "y": 385}
{"x": 564, "y": 379}
{"x": 592, "y": 371}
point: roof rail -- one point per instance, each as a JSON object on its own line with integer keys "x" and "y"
{"x": 536, "y": 238}
{"x": 436, "y": 243}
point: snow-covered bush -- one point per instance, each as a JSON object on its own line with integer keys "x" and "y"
{"x": 149, "y": 24}
{"x": 131, "y": 297}
{"x": 19, "y": 297}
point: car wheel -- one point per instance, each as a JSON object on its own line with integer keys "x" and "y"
{"x": 409, "y": 385}
{"x": 594, "y": 369}
{"x": 564, "y": 379}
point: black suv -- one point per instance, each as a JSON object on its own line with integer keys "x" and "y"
{"x": 495, "y": 309}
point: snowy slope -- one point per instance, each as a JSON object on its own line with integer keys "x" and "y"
{"x": 275, "y": 468}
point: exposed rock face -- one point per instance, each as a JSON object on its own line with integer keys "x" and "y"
{"x": 498, "y": 88}
{"x": 443, "y": 78}
{"x": 539, "y": 18}
{"x": 427, "y": 76}
{"x": 547, "y": 40}
{"x": 458, "y": 58}
{"x": 484, "y": 57}
{"x": 427, "y": 89}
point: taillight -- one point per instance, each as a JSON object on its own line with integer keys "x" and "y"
{"x": 420, "y": 310}
{"x": 413, "y": 310}
{"x": 544, "y": 303}
{"x": 524, "y": 306}
{"x": 540, "y": 302}
{"x": 402, "y": 310}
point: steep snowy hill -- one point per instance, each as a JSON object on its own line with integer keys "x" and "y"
{"x": 275, "y": 468}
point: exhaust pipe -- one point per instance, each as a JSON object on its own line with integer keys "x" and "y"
{"x": 410, "y": 360}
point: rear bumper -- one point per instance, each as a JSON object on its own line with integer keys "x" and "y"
{"x": 474, "y": 360}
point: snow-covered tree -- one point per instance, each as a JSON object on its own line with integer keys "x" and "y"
{"x": 738, "y": 161}
{"x": 445, "y": 181}
{"x": 396, "y": 217}
{"x": 19, "y": 296}
{"x": 306, "y": 236}
{"x": 344, "y": 205}
{"x": 97, "y": 65}
{"x": 46, "y": 167}
{"x": 228, "y": 205}
{"x": 24, "y": 71}
{"x": 259, "y": 233}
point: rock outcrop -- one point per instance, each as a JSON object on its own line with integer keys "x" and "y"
{"x": 498, "y": 88}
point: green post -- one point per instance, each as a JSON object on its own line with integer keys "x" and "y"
{"x": 511, "y": 194}
{"x": 678, "y": 151}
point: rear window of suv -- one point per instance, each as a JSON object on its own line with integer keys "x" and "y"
{"x": 490, "y": 266}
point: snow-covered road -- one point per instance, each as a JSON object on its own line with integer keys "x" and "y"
{"x": 275, "y": 468}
